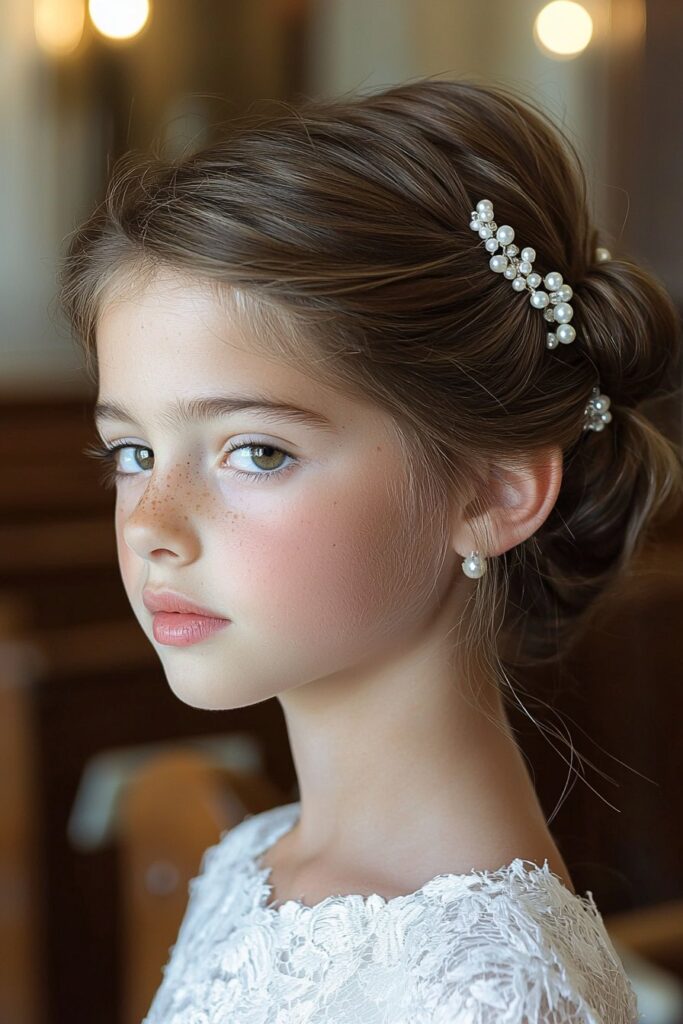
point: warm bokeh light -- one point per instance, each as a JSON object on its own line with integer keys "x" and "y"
{"x": 119, "y": 19}
{"x": 563, "y": 28}
{"x": 58, "y": 25}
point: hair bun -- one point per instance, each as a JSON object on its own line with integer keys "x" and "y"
{"x": 630, "y": 329}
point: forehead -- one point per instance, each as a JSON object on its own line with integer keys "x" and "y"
{"x": 170, "y": 341}
{"x": 173, "y": 336}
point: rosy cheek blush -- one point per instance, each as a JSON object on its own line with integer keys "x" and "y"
{"x": 319, "y": 572}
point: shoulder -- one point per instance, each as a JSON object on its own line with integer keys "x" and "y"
{"x": 516, "y": 946}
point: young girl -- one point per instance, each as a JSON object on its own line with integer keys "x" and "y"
{"x": 375, "y": 446}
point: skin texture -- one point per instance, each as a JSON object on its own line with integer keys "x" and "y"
{"x": 338, "y": 607}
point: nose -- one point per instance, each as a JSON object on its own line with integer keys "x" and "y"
{"x": 160, "y": 524}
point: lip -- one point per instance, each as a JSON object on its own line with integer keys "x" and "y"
{"x": 172, "y": 601}
{"x": 177, "y": 630}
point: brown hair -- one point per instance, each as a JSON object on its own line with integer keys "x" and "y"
{"x": 341, "y": 230}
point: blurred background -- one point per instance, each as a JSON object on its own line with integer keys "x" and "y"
{"x": 110, "y": 787}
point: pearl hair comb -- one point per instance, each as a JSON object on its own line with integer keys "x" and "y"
{"x": 517, "y": 267}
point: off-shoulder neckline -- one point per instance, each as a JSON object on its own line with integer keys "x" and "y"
{"x": 442, "y": 886}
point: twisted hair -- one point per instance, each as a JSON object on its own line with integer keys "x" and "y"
{"x": 340, "y": 229}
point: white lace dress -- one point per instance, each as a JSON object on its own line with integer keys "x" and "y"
{"x": 511, "y": 946}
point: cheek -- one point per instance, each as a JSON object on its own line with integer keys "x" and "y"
{"x": 337, "y": 566}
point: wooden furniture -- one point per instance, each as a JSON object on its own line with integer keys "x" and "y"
{"x": 177, "y": 806}
{"x": 655, "y": 933}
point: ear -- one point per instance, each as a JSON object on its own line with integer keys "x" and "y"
{"x": 517, "y": 499}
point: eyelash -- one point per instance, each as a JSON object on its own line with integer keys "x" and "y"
{"x": 107, "y": 455}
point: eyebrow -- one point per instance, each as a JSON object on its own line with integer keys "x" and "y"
{"x": 203, "y": 409}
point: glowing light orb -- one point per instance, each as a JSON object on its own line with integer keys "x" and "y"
{"x": 564, "y": 28}
{"x": 119, "y": 19}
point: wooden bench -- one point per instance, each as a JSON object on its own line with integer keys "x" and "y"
{"x": 178, "y": 805}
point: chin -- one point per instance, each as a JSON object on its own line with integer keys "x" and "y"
{"x": 193, "y": 687}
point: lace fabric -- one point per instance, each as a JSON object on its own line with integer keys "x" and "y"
{"x": 510, "y": 946}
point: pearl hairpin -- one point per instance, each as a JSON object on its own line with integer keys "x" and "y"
{"x": 517, "y": 267}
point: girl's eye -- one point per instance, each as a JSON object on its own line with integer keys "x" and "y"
{"x": 264, "y": 456}
{"x": 110, "y": 475}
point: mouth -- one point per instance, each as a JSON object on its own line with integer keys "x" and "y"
{"x": 179, "y": 629}
{"x": 177, "y": 621}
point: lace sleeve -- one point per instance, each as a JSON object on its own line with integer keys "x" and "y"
{"x": 537, "y": 955}
{"x": 523, "y": 994}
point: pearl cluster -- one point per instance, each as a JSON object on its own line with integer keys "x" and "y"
{"x": 597, "y": 411}
{"x": 517, "y": 268}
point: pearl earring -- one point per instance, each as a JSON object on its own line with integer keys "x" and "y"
{"x": 474, "y": 565}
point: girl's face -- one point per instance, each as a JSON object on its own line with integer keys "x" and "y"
{"x": 297, "y": 536}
